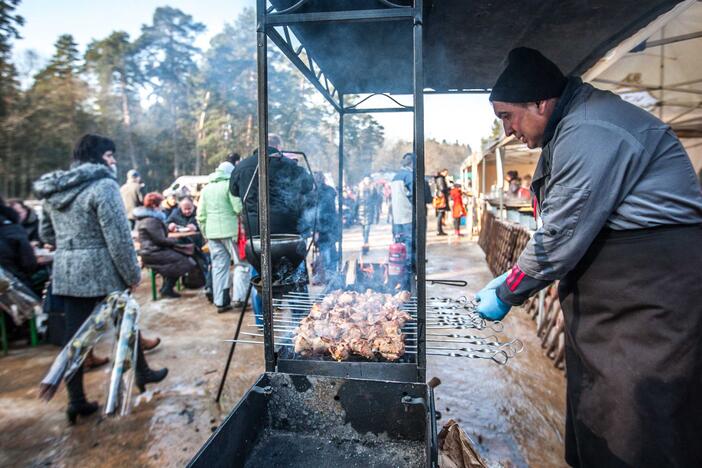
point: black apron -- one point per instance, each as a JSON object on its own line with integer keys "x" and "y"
{"x": 633, "y": 315}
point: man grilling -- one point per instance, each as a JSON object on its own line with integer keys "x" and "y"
{"x": 622, "y": 230}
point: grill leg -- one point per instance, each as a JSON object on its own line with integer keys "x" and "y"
{"x": 236, "y": 337}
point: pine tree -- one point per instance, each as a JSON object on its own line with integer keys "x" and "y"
{"x": 56, "y": 114}
{"x": 167, "y": 60}
{"x": 10, "y": 95}
{"x": 112, "y": 61}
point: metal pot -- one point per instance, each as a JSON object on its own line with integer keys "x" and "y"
{"x": 287, "y": 252}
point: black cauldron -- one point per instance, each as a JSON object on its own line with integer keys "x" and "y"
{"x": 287, "y": 252}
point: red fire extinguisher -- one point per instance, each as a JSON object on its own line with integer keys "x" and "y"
{"x": 397, "y": 259}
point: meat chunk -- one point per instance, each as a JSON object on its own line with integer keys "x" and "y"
{"x": 347, "y": 323}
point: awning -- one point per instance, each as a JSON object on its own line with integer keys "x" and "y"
{"x": 663, "y": 74}
{"x": 465, "y": 42}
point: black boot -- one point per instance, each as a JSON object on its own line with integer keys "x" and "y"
{"x": 77, "y": 404}
{"x": 145, "y": 375}
{"x": 226, "y": 302}
{"x": 167, "y": 288}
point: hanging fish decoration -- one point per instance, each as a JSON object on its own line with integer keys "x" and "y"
{"x": 122, "y": 311}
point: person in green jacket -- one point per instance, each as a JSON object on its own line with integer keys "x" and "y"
{"x": 217, "y": 215}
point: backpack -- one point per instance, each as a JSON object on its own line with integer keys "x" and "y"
{"x": 439, "y": 202}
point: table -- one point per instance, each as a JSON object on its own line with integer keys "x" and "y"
{"x": 182, "y": 234}
{"x": 44, "y": 256}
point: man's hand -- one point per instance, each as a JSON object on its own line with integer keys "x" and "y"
{"x": 172, "y": 227}
{"x": 496, "y": 282}
{"x": 191, "y": 227}
{"x": 490, "y": 306}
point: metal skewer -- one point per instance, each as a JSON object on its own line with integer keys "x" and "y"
{"x": 499, "y": 356}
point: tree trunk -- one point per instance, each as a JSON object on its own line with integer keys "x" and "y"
{"x": 127, "y": 122}
{"x": 249, "y": 131}
{"x": 174, "y": 141}
{"x": 201, "y": 133}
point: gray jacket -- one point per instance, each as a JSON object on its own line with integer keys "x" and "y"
{"x": 605, "y": 163}
{"x": 84, "y": 218}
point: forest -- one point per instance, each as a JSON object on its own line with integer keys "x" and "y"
{"x": 172, "y": 108}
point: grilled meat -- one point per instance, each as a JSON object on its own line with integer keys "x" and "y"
{"x": 345, "y": 323}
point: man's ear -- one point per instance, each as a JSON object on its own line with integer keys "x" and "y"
{"x": 541, "y": 106}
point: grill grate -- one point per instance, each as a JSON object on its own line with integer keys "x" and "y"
{"x": 452, "y": 327}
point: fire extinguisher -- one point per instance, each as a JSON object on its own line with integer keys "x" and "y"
{"x": 397, "y": 263}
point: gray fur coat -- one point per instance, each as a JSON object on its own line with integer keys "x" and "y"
{"x": 84, "y": 218}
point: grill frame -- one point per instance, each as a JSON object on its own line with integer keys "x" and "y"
{"x": 396, "y": 411}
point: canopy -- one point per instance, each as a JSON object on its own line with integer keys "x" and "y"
{"x": 664, "y": 73}
{"x": 465, "y": 42}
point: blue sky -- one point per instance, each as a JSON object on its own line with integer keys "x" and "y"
{"x": 463, "y": 118}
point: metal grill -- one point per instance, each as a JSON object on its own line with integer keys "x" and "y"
{"x": 452, "y": 327}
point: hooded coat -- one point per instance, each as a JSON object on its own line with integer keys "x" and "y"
{"x": 156, "y": 248}
{"x": 85, "y": 219}
{"x": 16, "y": 253}
{"x": 218, "y": 209}
{"x": 288, "y": 185}
{"x": 458, "y": 210}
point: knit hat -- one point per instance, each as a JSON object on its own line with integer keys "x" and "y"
{"x": 528, "y": 77}
{"x": 226, "y": 167}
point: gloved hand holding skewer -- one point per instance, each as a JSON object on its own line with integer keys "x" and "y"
{"x": 490, "y": 306}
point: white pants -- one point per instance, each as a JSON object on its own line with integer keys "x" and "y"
{"x": 223, "y": 252}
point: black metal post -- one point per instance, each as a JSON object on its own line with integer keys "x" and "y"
{"x": 287, "y": 50}
{"x": 236, "y": 337}
{"x": 420, "y": 202}
{"x": 263, "y": 201}
{"x": 340, "y": 190}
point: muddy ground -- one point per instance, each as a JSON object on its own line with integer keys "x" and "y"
{"x": 513, "y": 413}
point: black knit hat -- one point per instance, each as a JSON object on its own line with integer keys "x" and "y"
{"x": 529, "y": 77}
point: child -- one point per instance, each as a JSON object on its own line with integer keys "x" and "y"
{"x": 458, "y": 210}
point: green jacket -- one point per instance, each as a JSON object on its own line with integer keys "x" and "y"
{"x": 218, "y": 210}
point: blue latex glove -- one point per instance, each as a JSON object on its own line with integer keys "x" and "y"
{"x": 496, "y": 282}
{"x": 490, "y": 306}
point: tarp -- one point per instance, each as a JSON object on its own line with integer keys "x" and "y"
{"x": 465, "y": 42}
{"x": 676, "y": 67}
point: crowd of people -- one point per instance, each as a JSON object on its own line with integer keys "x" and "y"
{"x": 102, "y": 235}
{"x": 448, "y": 198}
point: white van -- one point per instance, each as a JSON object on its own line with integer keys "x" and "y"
{"x": 192, "y": 184}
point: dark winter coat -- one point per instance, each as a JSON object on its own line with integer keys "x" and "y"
{"x": 156, "y": 249}
{"x": 31, "y": 225}
{"x": 180, "y": 219}
{"x": 288, "y": 184}
{"x": 16, "y": 253}
{"x": 328, "y": 223}
{"x": 366, "y": 205}
{"x": 85, "y": 219}
{"x": 442, "y": 188}
{"x": 441, "y": 185}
